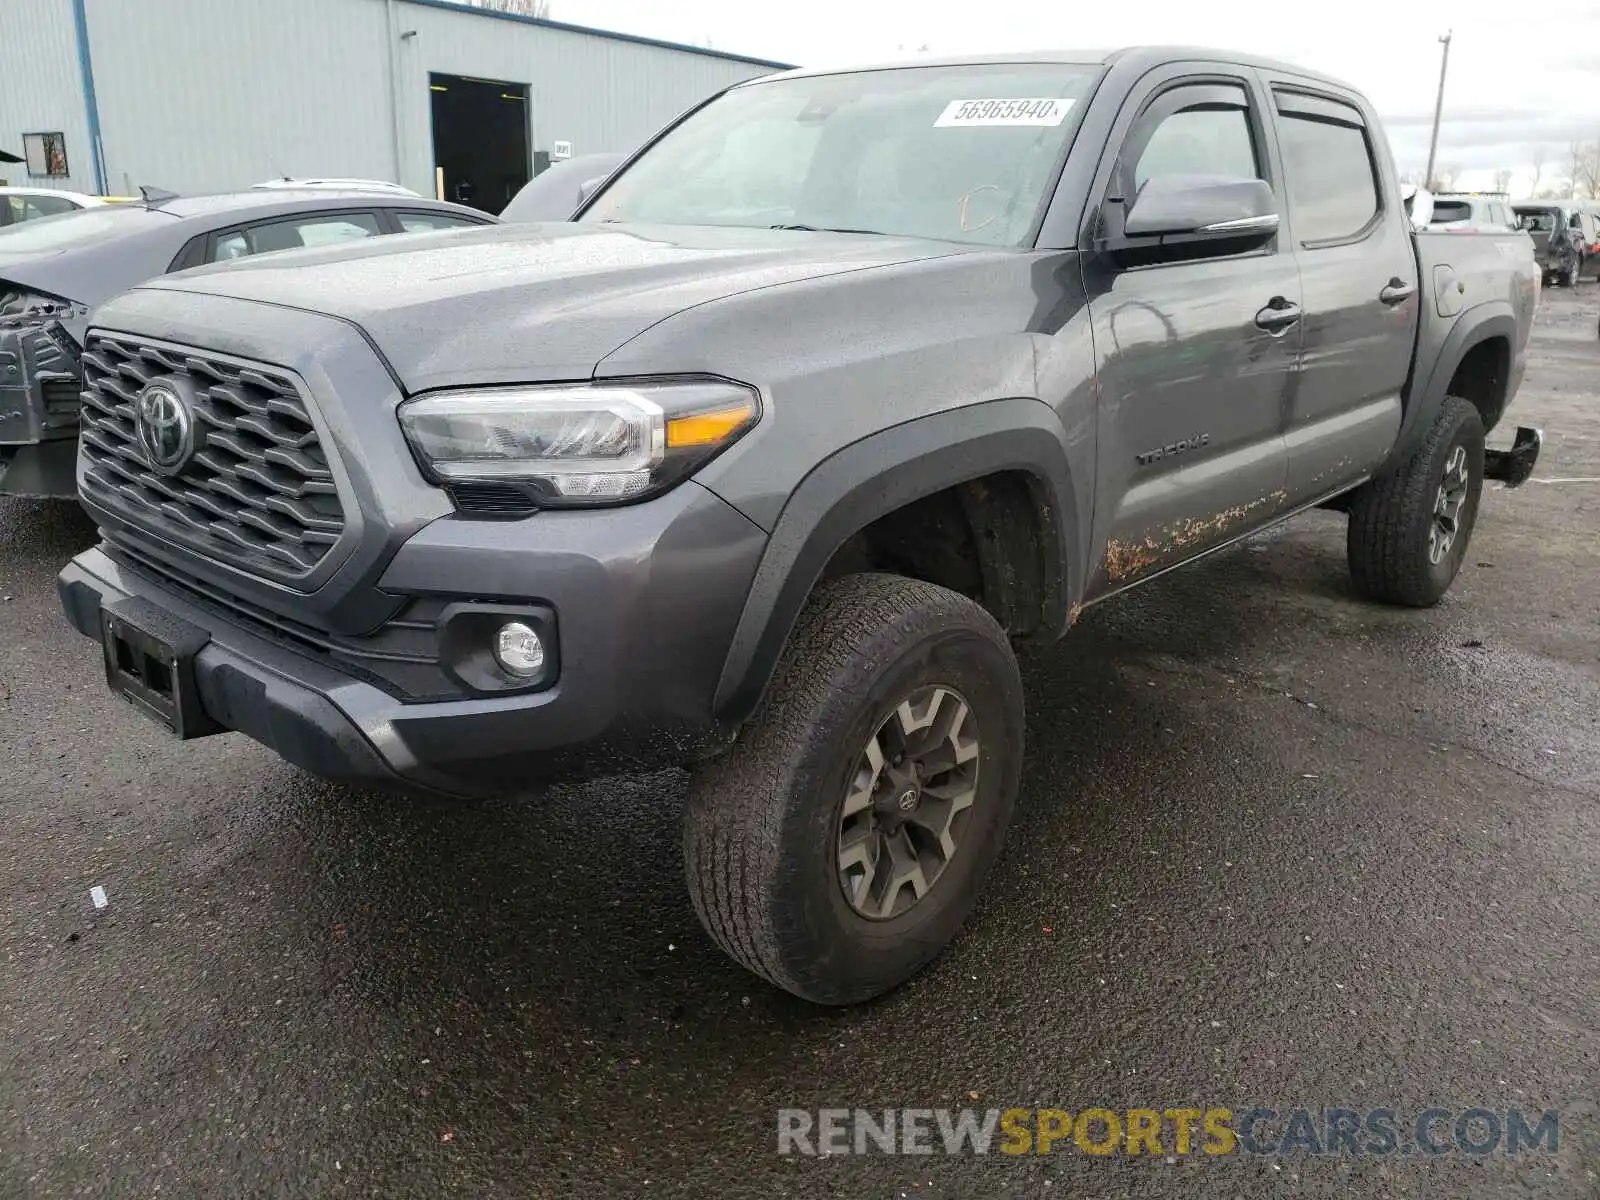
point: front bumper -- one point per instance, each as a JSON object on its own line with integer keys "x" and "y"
{"x": 644, "y": 622}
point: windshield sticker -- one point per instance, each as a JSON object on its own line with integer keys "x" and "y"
{"x": 1003, "y": 112}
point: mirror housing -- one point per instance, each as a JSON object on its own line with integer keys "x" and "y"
{"x": 1202, "y": 208}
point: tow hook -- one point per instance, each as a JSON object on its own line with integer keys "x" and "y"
{"x": 1512, "y": 467}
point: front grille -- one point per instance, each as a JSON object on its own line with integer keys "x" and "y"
{"x": 258, "y": 493}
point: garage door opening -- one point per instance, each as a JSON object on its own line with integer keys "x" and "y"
{"x": 480, "y": 139}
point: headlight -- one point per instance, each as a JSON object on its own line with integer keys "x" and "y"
{"x": 577, "y": 444}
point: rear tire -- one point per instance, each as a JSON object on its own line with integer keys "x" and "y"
{"x": 1409, "y": 529}
{"x": 778, "y": 833}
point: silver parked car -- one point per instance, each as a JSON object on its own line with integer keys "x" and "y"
{"x": 55, "y": 271}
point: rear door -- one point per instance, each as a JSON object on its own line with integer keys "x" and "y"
{"x": 1358, "y": 276}
{"x": 1196, "y": 357}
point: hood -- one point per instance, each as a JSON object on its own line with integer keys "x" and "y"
{"x": 534, "y": 302}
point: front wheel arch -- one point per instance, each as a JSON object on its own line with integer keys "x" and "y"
{"x": 873, "y": 478}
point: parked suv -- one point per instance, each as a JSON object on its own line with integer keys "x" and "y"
{"x": 1564, "y": 234}
{"x": 759, "y": 464}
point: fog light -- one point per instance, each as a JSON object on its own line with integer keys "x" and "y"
{"x": 519, "y": 650}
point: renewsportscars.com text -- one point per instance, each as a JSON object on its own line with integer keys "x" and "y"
{"x": 1166, "y": 1131}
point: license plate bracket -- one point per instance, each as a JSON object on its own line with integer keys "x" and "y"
{"x": 150, "y": 662}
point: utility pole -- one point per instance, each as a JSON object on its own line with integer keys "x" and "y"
{"x": 1438, "y": 110}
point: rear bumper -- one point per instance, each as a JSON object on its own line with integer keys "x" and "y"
{"x": 1513, "y": 467}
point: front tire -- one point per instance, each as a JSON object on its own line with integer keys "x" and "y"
{"x": 839, "y": 845}
{"x": 1409, "y": 529}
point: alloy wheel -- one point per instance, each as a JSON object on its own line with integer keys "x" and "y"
{"x": 908, "y": 801}
{"x": 1447, "y": 505}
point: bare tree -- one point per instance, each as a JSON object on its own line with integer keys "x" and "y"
{"x": 1444, "y": 178}
{"x": 1538, "y": 170}
{"x": 1588, "y": 169}
{"x": 1574, "y": 176}
{"x": 1502, "y": 180}
{"x": 522, "y": 8}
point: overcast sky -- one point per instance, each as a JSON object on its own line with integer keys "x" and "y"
{"x": 1521, "y": 75}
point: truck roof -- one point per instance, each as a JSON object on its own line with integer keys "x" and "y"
{"x": 1137, "y": 56}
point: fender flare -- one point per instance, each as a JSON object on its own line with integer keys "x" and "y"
{"x": 1472, "y": 328}
{"x": 871, "y": 478}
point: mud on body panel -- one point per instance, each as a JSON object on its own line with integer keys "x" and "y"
{"x": 1172, "y": 544}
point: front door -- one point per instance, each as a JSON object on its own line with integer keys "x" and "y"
{"x": 1197, "y": 357}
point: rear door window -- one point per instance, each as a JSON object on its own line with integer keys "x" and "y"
{"x": 323, "y": 230}
{"x": 1331, "y": 170}
{"x": 427, "y": 222}
{"x": 47, "y": 206}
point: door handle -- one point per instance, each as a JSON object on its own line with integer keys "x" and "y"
{"x": 1396, "y": 291}
{"x": 1278, "y": 315}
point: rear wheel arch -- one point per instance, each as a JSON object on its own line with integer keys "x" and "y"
{"x": 1477, "y": 355}
{"x": 1482, "y": 377}
{"x": 979, "y": 499}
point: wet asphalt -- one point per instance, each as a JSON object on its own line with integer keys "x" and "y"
{"x": 1274, "y": 846}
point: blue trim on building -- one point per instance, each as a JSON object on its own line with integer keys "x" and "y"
{"x": 91, "y": 106}
{"x": 494, "y": 14}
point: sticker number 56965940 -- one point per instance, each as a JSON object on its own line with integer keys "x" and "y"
{"x": 1003, "y": 112}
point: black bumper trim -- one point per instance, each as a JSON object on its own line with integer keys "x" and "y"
{"x": 1513, "y": 467}
{"x": 297, "y": 723}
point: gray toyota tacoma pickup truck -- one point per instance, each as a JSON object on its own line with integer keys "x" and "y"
{"x": 759, "y": 464}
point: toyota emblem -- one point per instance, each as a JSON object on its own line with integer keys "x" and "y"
{"x": 165, "y": 425}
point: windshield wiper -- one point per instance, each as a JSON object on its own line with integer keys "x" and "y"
{"x": 830, "y": 229}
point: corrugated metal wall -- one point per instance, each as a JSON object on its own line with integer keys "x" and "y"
{"x": 600, "y": 94}
{"x": 41, "y": 89}
{"x": 206, "y": 95}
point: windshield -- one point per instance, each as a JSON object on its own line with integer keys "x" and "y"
{"x": 1537, "y": 220}
{"x": 76, "y": 229}
{"x": 964, "y": 154}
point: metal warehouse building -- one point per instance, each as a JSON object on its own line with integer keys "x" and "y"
{"x": 208, "y": 95}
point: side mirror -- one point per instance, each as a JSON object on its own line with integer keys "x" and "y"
{"x": 1192, "y": 208}
{"x": 588, "y": 188}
